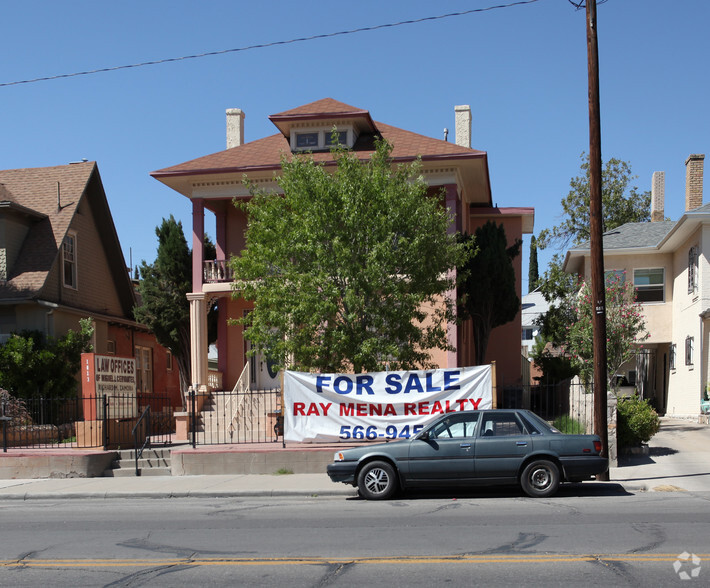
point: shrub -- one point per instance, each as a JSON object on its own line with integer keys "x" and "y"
{"x": 14, "y": 408}
{"x": 637, "y": 421}
{"x": 566, "y": 424}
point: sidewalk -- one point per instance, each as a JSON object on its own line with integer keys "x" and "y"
{"x": 678, "y": 460}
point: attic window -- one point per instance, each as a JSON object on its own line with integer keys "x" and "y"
{"x": 342, "y": 138}
{"x": 322, "y": 139}
{"x": 306, "y": 140}
{"x": 69, "y": 261}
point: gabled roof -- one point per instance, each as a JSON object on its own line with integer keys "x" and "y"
{"x": 50, "y": 196}
{"x": 265, "y": 154}
{"x": 633, "y": 235}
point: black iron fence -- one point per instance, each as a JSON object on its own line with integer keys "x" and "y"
{"x": 550, "y": 401}
{"x": 225, "y": 417}
{"x": 97, "y": 421}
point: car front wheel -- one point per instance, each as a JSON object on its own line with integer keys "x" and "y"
{"x": 540, "y": 478}
{"x": 377, "y": 481}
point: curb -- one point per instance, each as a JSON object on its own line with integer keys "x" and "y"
{"x": 184, "y": 494}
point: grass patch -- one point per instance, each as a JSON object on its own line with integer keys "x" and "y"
{"x": 569, "y": 426}
{"x": 283, "y": 472}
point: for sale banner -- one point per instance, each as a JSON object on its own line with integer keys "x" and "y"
{"x": 378, "y": 405}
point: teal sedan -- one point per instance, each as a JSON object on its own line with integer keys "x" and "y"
{"x": 482, "y": 447}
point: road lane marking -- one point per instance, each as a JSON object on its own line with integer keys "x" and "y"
{"x": 381, "y": 560}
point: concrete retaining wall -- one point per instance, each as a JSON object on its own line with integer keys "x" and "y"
{"x": 201, "y": 462}
{"x": 50, "y": 464}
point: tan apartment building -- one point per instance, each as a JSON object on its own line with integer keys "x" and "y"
{"x": 668, "y": 263}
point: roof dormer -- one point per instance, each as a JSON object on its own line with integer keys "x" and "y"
{"x": 310, "y": 127}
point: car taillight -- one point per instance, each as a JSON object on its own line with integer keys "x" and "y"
{"x": 598, "y": 446}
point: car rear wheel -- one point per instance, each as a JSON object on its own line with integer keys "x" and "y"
{"x": 540, "y": 478}
{"x": 377, "y": 481}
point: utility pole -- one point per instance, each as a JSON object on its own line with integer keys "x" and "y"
{"x": 595, "y": 232}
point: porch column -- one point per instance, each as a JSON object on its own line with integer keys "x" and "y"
{"x": 198, "y": 241}
{"x": 198, "y": 341}
{"x": 222, "y": 335}
{"x": 454, "y": 205}
{"x": 221, "y": 230}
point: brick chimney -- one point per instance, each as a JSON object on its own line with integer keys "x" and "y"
{"x": 235, "y": 127}
{"x": 463, "y": 125}
{"x": 694, "y": 181}
{"x": 658, "y": 196}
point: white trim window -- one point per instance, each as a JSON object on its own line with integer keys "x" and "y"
{"x": 314, "y": 139}
{"x": 692, "y": 270}
{"x": 144, "y": 369}
{"x": 649, "y": 284}
{"x": 672, "y": 356}
{"x": 689, "y": 348}
{"x": 69, "y": 261}
{"x": 614, "y": 276}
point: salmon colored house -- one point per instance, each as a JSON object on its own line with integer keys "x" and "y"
{"x": 213, "y": 182}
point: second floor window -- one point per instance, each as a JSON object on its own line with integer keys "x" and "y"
{"x": 671, "y": 360}
{"x": 69, "y": 261}
{"x": 692, "y": 270}
{"x": 649, "y": 284}
{"x": 689, "y": 344}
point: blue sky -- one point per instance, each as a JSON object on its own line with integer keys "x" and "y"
{"x": 522, "y": 69}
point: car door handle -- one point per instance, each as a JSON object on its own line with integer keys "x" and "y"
{"x": 521, "y": 443}
{"x": 465, "y": 445}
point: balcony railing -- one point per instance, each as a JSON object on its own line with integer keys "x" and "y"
{"x": 216, "y": 270}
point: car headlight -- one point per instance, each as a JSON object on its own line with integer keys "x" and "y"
{"x": 338, "y": 456}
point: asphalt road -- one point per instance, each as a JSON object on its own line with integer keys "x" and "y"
{"x": 586, "y": 534}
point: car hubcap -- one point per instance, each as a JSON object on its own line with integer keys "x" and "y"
{"x": 377, "y": 480}
{"x": 540, "y": 478}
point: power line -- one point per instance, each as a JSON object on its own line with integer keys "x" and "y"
{"x": 272, "y": 44}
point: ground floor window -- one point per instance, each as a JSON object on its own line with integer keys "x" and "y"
{"x": 144, "y": 370}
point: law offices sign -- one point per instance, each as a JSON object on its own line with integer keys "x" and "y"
{"x": 378, "y": 405}
{"x": 110, "y": 377}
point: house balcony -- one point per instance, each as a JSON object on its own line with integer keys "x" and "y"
{"x": 216, "y": 271}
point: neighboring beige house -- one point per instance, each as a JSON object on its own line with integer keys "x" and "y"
{"x": 668, "y": 262}
{"x": 61, "y": 260}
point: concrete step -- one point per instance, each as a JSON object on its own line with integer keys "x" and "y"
{"x": 153, "y": 462}
{"x": 131, "y": 472}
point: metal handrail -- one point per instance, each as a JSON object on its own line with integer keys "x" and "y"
{"x": 146, "y": 442}
{"x": 242, "y": 386}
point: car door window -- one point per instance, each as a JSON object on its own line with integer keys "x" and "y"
{"x": 455, "y": 427}
{"x": 501, "y": 425}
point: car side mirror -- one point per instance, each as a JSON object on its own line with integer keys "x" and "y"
{"x": 424, "y": 436}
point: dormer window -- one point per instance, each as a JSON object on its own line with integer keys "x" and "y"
{"x": 307, "y": 140}
{"x": 321, "y": 139}
{"x": 341, "y": 138}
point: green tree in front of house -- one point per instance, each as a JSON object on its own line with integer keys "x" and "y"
{"x": 33, "y": 366}
{"x": 621, "y": 203}
{"x": 163, "y": 289}
{"x": 626, "y": 328}
{"x": 487, "y": 292}
{"x": 349, "y": 267}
